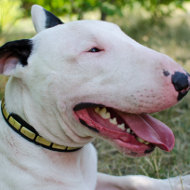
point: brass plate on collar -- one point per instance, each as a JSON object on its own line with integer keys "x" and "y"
{"x": 14, "y": 123}
{"x": 42, "y": 141}
{"x": 5, "y": 113}
{"x": 71, "y": 148}
{"x": 60, "y": 147}
{"x": 27, "y": 133}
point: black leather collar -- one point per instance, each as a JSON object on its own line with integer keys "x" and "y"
{"x": 28, "y": 132}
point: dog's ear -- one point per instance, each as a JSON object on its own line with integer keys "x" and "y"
{"x": 13, "y": 53}
{"x": 43, "y": 19}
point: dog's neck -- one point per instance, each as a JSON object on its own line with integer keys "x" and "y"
{"x": 53, "y": 168}
{"x": 29, "y": 133}
{"x": 46, "y": 120}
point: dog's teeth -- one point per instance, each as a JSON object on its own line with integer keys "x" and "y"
{"x": 113, "y": 121}
{"x": 140, "y": 140}
{"x": 97, "y": 110}
{"x": 106, "y": 115}
{"x": 121, "y": 126}
{"x": 128, "y": 130}
{"x": 103, "y": 112}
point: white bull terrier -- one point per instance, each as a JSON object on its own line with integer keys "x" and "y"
{"x": 71, "y": 83}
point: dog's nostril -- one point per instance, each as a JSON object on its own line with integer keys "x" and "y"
{"x": 166, "y": 73}
{"x": 180, "y": 81}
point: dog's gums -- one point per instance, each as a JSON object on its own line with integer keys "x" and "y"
{"x": 137, "y": 133}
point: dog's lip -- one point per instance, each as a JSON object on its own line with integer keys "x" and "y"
{"x": 157, "y": 137}
{"x": 134, "y": 150}
{"x": 81, "y": 106}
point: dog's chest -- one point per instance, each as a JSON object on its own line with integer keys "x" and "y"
{"x": 25, "y": 166}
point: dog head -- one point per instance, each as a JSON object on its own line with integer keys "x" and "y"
{"x": 84, "y": 79}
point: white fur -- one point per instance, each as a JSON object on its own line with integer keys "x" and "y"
{"x": 62, "y": 73}
{"x": 38, "y": 17}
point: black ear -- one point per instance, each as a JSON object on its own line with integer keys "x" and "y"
{"x": 13, "y": 53}
{"x": 43, "y": 19}
{"x": 51, "y": 19}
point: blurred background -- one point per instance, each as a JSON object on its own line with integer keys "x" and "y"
{"x": 163, "y": 25}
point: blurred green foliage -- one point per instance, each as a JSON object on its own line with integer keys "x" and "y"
{"x": 106, "y": 7}
{"x": 78, "y": 7}
{"x": 156, "y": 8}
{"x": 10, "y": 11}
{"x": 159, "y": 8}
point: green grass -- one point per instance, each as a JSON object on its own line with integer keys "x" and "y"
{"x": 170, "y": 36}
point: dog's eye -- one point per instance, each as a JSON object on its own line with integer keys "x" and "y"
{"x": 94, "y": 50}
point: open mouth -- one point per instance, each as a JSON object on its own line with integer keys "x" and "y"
{"x": 134, "y": 134}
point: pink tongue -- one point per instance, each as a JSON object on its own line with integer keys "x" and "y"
{"x": 151, "y": 130}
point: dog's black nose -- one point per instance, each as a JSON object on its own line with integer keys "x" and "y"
{"x": 181, "y": 83}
